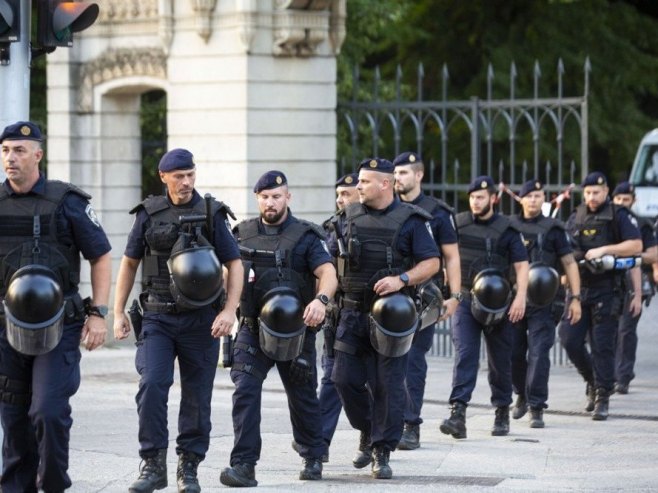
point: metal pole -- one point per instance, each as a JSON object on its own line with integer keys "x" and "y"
{"x": 15, "y": 76}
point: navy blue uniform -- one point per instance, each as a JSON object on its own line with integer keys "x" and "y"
{"x": 627, "y": 331}
{"x": 534, "y": 335}
{"x": 330, "y": 405}
{"x": 467, "y": 334}
{"x": 185, "y": 335}
{"x": 37, "y": 424}
{"x": 371, "y": 386}
{"x": 601, "y": 307}
{"x": 445, "y": 233}
{"x": 251, "y": 365}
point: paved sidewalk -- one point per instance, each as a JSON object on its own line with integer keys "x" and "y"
{"x": 573, "y": 453}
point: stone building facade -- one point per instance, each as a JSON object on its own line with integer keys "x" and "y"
{"x": 250, "y": 85}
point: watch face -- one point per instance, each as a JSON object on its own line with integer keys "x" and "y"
{"x": 404, "y": 278}
{"x": 101, "y": 309}
{"x": 323, "y": 298}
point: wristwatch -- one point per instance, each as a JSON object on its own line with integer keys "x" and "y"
{"x": 458, "y": 296}
{"x": 97, "y": 310}
{"x": 324, "y": 299}
{"x": 404, "y": 277}
{"x": 574, "y": 297}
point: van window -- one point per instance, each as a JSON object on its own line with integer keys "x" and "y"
{"x": 646, "y": 171}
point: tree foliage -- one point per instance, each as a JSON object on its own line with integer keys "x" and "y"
{"x": 617, "y": 36}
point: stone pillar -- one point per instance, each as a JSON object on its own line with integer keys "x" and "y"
{"x": 263, "y": 97}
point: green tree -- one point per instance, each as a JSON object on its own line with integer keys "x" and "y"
{"x": 617, "y": 36}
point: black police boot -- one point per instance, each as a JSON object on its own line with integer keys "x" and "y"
{"x": 312, "y": 470}
{"x": 621, "y": 388}
{"x": 536, "y": 418}
{"x": 455, "y": 425}
{"x": 186, "y": 473}
{"x": 590, "y": 392}
{"x": 363, "y": 456}
{"x": 152, "y": 474}
{"x": 410, "y": 439}
{"x": 600, "y": 412}
{"x": 240, "y": 475}
{"x": 380, "y": 467}
{"x": 520, "y": 407}
{"x": 501, "y": 423}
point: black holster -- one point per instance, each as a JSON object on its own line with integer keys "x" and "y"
{"x": 135, "y": 315}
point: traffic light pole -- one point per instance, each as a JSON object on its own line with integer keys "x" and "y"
{"x": 15, "y": 74}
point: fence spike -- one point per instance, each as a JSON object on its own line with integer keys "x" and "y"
{"x": 512, "y": 77}
{"x": 588, "y": 69}
{"x": 421, "y": 79}
{"x": 490, "y": 78}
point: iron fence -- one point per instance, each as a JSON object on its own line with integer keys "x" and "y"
{"x": 513, "y": 138}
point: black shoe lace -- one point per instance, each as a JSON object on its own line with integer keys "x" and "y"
{"x": 150, "y": 467}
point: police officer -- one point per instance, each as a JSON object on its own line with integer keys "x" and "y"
{"x": 383, "y": 247}
{"x": 624, "y": 195}
{"x": 330, "y": 405}
{"x": 549, "y": 250}
{"x": 409, "y": 172}
{"x": 181, "y": 240}
{"x": 598, "y": 228}
{"x": 280, "y": 309}
{"x": 47, "y": 223}
{"x": 488, "y": 246}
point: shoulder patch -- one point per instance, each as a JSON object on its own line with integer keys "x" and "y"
{"x": 429, "y": 229}
{"x": 91, "y": 214}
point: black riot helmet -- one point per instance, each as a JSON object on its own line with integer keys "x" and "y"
{"x": 195, "y": 273}
{"x": 34, "y": 310}
{"x": 490, "y": 297}
{"x": 430, "y": 302}
{"x": 281, "y": 323}
{"x": 393, "y": 321}
{"x": 543, "y": 283}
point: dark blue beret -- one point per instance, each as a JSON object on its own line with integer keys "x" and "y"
{"x": 594, "y": 178}
{"x": 350, "y": 180}
{"x": 377, "y": 164}
{"x": 625, "y": 188}
{"x": 21, "y": 131}
{"x": 407, "y": 158}
{"x": 176, "y": 159}
{"x": 530, "y": 186}
{"x": 271, "y": 179}
{"x": 481, "y": 183}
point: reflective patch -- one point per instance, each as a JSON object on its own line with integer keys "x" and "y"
{"x": 589, "y": 232}
{"x": 324, "y": 245}
{"x": 228, "y": 226}
{"x": 91, "y": 214}
{"x": 633, "y": 221}
{"x": 452, "y": 221}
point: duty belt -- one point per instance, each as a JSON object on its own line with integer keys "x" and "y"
{"x": 159, "y": 307}
{"x": 350, "y": 304}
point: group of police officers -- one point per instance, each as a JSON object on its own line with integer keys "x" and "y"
{"x": 375, "y": 278}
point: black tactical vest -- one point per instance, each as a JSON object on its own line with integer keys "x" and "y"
{"x": 432, "y": 204}
{"x": 370, "y": 241}
{"x": 161, "y": 234}
{"x": 479, "y": 248}
{"x": 534, "y": 236}
{"x": 267, "y": 262}
{"x": 593, "y": 230}
{"x": 27, "y": 218}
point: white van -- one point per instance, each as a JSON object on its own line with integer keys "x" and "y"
{"x": 644, "y": 176}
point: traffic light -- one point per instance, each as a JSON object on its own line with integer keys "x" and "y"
{"x": 59, "y": 20}
{"x": 10, "y": 25}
